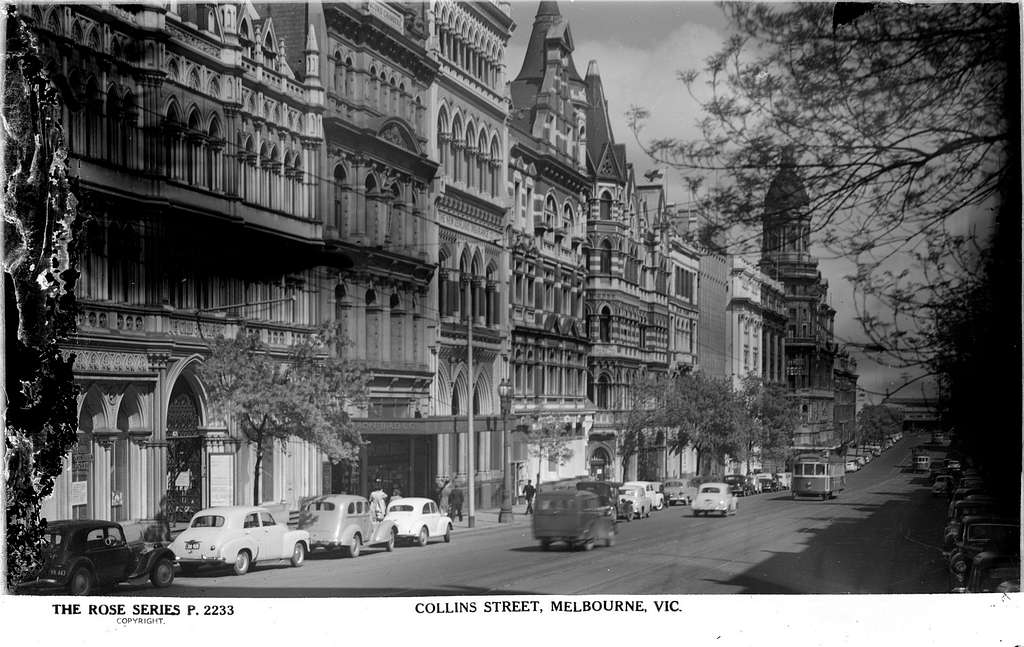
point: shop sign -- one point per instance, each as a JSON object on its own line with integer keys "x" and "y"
{"x": 79, "y": 493}
{"x": 222, "y": 482}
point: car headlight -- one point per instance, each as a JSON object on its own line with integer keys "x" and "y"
{"x": 959, "y": 566}
{"x": 212, "y": 547}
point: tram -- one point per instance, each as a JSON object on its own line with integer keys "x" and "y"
{"x": 816, "y": 475}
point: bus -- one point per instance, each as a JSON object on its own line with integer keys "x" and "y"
{"x": 818, "y": 476}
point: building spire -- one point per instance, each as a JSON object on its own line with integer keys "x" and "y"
{"x": 548, "y": 8}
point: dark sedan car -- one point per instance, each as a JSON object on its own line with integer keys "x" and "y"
{"x": 738, "y": 484}
{"x": 81, "y": 555}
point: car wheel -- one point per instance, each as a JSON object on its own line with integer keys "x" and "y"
{"x": 448, "y": 534}
{"x": 588, "y": 544}
{"x": 390, "y": 546}
{"x": 696, "y": 513}
{"x": 243, "y": 560}
{"x": 545, "y": 544}
{"x": 353, "y": 548}
{"x": 661, "y": 506}
{"x": 81, "y": 582}
{"x": 162, "y": 574}
{"x": 423, "y": 536}
{"x": 298, "y": 554}
{"x": 610, "y": 539}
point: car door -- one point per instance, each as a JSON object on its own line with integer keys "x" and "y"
{"x": 359, "y": 514}
{"x": 271, "y": 537}
{"x": 432, "y": 518}
{"x": 107, "y": 557}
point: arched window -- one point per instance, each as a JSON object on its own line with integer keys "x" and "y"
{"x": 442, "y": 142}
{"x": 213, "y": 152}
{"x": 606, "y": 257}
{"x": 605, "y": 325}
{"x": 606, "y": 206}
{"x": 550, "y": 211}
{"x": 603, "y": 392}
{"x": 469, "y": 154}
{"x": 339, "y": 197}
{"x": 113, "y": 114}
{"x": 456, "y": 144}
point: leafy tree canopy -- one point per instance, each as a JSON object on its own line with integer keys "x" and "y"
{"x": 895, "y": 121}
{"x": 305, "y": 392}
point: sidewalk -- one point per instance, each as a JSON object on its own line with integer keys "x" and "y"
{"x": 487, "y": 519}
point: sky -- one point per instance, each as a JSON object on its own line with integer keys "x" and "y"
{"x": 639, "y": 48}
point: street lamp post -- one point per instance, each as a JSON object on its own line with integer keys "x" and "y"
{"x": 505, "y": 515}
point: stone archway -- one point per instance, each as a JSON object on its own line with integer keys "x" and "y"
{"x": 600, "y": 464}
{"x": 184, "y": 454}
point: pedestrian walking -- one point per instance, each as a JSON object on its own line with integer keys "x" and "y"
{"x": 378, "y": 502}
{"x": 446, "y": 492}
{"x": 455, "y": 500}
{"x": 528, "y": 492}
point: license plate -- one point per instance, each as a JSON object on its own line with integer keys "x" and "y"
{"x": 192, "y": 545}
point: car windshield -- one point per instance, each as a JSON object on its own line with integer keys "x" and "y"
{"x": 673, "y": 484}
{"x": 710, "y": 490}
{"x": 208, "y": 521}
{"x": 627, "y": 491}
{"x": 399, "y": 507}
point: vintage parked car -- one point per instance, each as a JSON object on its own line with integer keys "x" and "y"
{"x": 980, "y": 534}
{"x": 654, "y": 491}
{"x": 715, "y": 497}
{"x": 767, "y": 483}
{"x": 993, "y": 572}
{"x": 577, "y": 518}
{"x": 962, "y": 493}
{"x": 852, "y": 465}
{"x": 943, "y": 485}
{"x": 633, "y": 500}
{"x": 344, "y": 521}
{"x": 82, "y": 555}
{"x": 419, "y": 519}
{"x": 677, "y": 491}
{"x": 971, "y": 506}
{"x": 239, "y": 537}
{"x": 739, "y": 484}
{"x": 785, "y": 480}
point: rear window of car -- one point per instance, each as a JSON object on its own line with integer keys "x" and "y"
{"x": 711, "y": 490}
{"x": 995, "y": 533}
{"x": 674, "y": 484}
{"x": 560, "y": 503}
{"x": 53, "y": 538}
{"x": 208, "y": 521}
{"x": 400, "y": 508}
{"x": 321, "y": 506}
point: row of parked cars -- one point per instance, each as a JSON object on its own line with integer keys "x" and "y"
{"x": 981, "y": 538}
{"x": 81, "y": 556}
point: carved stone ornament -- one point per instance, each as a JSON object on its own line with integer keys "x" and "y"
{"x": 108, "y": 361}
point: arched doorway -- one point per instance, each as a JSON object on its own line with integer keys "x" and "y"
{"x": 599, "y": 464}
{"x": 184, "y": 455}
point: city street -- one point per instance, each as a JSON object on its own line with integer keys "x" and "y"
{"x": 879, "y": 536}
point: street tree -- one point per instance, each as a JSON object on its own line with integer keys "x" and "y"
{"x": 640, "y": 416}
{"x": 550, "y": 439}
{"x": 876, "y": 422}
{"x": 704, "y": 413}
{"x": 305, "y": 392}
{"x": 40, "y": 229}
{"x": 770, "y": 421}
{"x": 900, "y": 122}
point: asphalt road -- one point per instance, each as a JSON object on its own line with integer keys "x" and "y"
{"x": 881, "y": 535}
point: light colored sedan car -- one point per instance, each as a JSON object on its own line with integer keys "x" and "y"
{"x": 419, "y": 519}
{"x": 714, "y": 498}
{"x": 633, "y": 497}
{"x": 344, "y": 521}
{"x": 237, "y": 536}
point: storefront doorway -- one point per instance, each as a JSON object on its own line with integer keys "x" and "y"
{"x": 184, "y": 457}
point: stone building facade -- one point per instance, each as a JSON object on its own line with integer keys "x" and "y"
{"x": 809, "y": 347}
{"x": 549, "y": 186}
{"x": 180, "y": 118}
{"x": 469, "y": 108}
